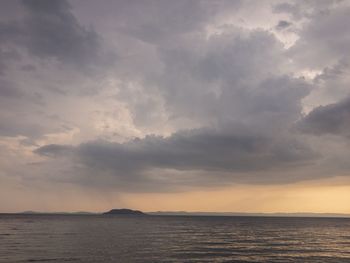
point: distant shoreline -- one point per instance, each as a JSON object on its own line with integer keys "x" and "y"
{"x": 183, "y": 213}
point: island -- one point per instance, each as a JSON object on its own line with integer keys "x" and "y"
{"x": 124, "y": 211}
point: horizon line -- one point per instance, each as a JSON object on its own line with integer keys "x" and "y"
{"x": 198, "y": 213}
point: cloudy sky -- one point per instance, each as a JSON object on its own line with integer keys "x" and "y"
{"x": 175, "y": 105}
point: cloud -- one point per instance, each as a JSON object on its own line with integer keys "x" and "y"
{"x": 290, "y": 8}
{"x": 301, "y": 10}
{"x": 205, "y": 82}
{"x": 210, "y": 90}
{"x": 9, "y": 90}
{"x": 325, "y": 33}
{"x": 44, "y": 49}
{"x": 214, "y": 152}
{"x": 330, "y": 119}
{"x": 53, "y": 150}
{"x": 50, "y": 31}
{"x": 282, "y": 24}
{"x": 161, "y": 21}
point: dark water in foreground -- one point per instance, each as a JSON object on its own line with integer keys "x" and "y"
{"x": 59, "y": 238}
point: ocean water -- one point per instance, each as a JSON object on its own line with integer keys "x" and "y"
{"x": 99, "y": 238}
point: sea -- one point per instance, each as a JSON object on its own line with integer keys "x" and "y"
{"x": 108, "y": 238}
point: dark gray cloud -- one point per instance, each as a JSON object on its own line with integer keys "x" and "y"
{"x": 49, "y": 30}
{"x": 160, "y": 19}
{"x": 282, "y": 24}
{"x": 206, "y": 150}
{"x": 53, "y": 150}
{"x": 330, "y": 119}
{"x": 44, "y": 49}
{"x": 157, "y": 21}
{"x": 220, "y": 80}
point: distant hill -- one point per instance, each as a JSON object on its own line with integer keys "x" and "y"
{"x": 124, "y": 212}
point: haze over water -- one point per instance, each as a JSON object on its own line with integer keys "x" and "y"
{"x": 102, "y": 238}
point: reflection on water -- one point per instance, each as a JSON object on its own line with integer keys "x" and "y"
{"x": 60, "y": 238}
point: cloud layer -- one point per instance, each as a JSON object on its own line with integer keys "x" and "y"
{"x": 161, "y": 96}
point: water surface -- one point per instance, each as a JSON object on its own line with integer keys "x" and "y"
{"x": 99, "y": 238}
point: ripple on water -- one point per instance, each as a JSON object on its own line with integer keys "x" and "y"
{"x": 34, "y": 238}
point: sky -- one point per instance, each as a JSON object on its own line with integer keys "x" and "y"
{"x": 196, "y": 105}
